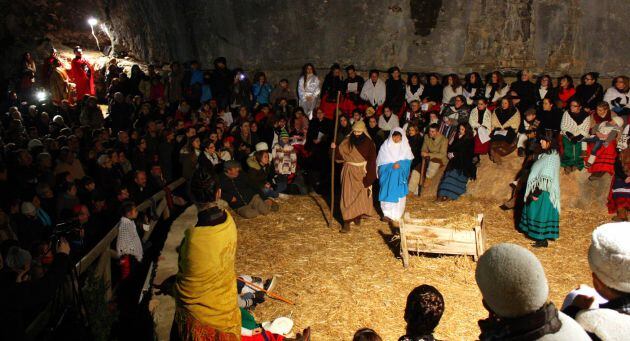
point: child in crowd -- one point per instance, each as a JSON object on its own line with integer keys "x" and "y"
{"x": 603, "y": 134}
{"x": 425, "y": 306}
{"x": 528, "y": 131}
{"x": 249, "y": 295}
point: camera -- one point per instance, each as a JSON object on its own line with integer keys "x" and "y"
{"x": 70, "y": 230}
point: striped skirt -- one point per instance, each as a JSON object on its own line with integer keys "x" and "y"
{"x": 540, "y": 220}
{"x": 619, "y": 196}
{"x": 453, "y": 184}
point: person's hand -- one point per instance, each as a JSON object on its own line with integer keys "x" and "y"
{"x": 450, "y": 155}
{"x": 333, "y": 145}
{"x": 259, "y": 297}
{"x": 233, "y": 199}
{"x": 22, "y": 276}
{"x": 63, "y": 246}
{"x": 583, "y": 302}
{"x": 425, "y": 154}
{"x": 628, "y": 180}
{"x": 396, "y": 165}
{"x": 534, "y": 198}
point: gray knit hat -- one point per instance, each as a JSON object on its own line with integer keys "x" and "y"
{"x": 609, "y": 255}
{"x": 511, "y": 280}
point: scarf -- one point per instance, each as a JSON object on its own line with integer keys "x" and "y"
{"x": 480, "y": 115}
{"x": 598, "y": 119}
{"x": 504, "y": 115}
{"x": 544, "y": 175}
{"x": 128, "y": 242}
{"x": 392, "y": 152}
{"x": 533, "y": 326}
{"x": 414, "y": 88}
{"x": 579, "y": 117}
{"x": 374, "y": 93}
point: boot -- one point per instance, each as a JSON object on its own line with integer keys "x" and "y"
{"x": 622, "y": 215}
{"x": 357, "y": 220}
{"x": 541, "y": 243}
{"x": 345, "y": 228}
{"x": 508, "y": 205}
{"x": 596, "y": 176}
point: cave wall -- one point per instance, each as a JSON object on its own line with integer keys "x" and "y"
{"x": 556, "y": 36}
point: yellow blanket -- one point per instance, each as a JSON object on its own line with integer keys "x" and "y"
{"x": 206, "y": 281}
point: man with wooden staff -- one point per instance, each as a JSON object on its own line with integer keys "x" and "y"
{"x": 357, "y": 152}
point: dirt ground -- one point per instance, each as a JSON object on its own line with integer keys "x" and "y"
{"x": 343, "y": 282}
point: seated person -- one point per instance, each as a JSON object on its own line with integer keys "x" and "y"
{"x": 528, "y": 131}
{"x": 261, "y": 174}
{"x": 237, "y": 192}
{"x": 504, "y": 124}
{"x": 515, "y": 292}
{"x": 434, "y": 149}
{"x": 609, "y": 260}
{"x": 285, "y": 164}
{"x": 249, "y": 295}
{"x": 602, "y": 133}
{"x": 425, "y": 307}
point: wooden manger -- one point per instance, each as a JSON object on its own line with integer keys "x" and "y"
{"x": 421, "y": 235}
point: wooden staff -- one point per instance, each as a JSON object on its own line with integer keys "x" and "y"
{"x": 423, "y": 171}
{"x": 332, "y": 164}
{"x": 269, "y": 293}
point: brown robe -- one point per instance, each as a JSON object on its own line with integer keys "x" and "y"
{"x": 357, "y": 175}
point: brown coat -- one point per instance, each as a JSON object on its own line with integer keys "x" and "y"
{"x": 357, "y": 175}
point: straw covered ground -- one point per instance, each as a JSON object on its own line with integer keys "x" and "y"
{"x": 340, "y": 283}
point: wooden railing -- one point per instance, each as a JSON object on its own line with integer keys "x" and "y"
{"x": 100, "y": 256}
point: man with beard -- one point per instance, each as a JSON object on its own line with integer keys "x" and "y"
{"x": 357, "y": 152}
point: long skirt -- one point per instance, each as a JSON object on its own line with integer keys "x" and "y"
{"x": 187, "y": 328}
{"x": 619, "y": 195}
{"x": 453, "y": 184}
{"x": 540, "y": 220}
{"x": 394, "y": 210}
{"x": 571, "y": 156}
{"x": 604, "y": 158}
{"x": 481, "y": 148}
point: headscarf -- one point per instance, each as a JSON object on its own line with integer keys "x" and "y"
{"x": 392, "y": 152}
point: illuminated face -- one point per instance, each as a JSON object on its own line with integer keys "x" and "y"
{"x": 481, "y": 105}
{"x": 433, "y": 132}
{"x": 462, "y": 130}
{"x": 374, "y": 77}
{"x": 547, "y": 105}
{"x": 601, "y": 112}
{"x": 505, "y": 104}
{"x": 575, "y": 107}
{"x": 396, "y": 138}
{"x": 544, "y": 144}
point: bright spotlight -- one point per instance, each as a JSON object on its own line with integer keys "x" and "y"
{"x": 41, "y": 96}
{"x": 92, "y": 21}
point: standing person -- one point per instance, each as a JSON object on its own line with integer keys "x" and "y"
{"x": 60, "y": 85}
{"x": 308, "y": 89}
{"x": 618, "y": 95}
{"x": 282, "y": 91}
{"x": 473, "y": 87}
{"x": 496, "y": 88}
{"x": 589, "y": 92}
{"x": 82, "y": 74}
{"x": 129, "y": 247}
{"x": 333, "y": 83}
{"x": 357, "y": 152}
{"x": 544, "y": 89}
{"x": 525, "y": 89}
{"x": 460, "y": 167}
{"x": 414, "y": 88}
{"x": 541, "y": 215}
{"x": 175, "y": 84}
{"x": 394, "y": 164}
{"x": 261, "y": 90}
{"x": 395, "y": 91}
{"x": 205, "y": 288}
{"x": 220, "y": 82}
{"x": 353, "y": 85}
{"x": 373, "y": 90}
{"x": 565, "y": 91}
{"x": 452, "y": 88}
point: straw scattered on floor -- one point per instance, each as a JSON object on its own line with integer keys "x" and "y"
{"x": 341, "y": 283}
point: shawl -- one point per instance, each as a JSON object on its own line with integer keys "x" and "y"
{"x": 392, "y": 152}
{"x": 504, "y": 115}
{"x": 579, "y": 117}
{"x": 545, "y": 175}
{"x": 532, "y": 326}
{"x": 128, "y": 242}
{"x": 374, "y": 93}
{"x": 205, "y": 285}
{"x": 598, "y": 119}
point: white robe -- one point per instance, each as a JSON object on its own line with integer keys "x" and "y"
{"x": 374, "y": 93}
{"x": 312, "y": 89}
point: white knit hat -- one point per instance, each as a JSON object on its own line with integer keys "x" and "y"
{"x": 28, "y": 208}
{"x": 511, "y": 280}
{"x": 260, "y": 146}
{"x": 609, "y": 255}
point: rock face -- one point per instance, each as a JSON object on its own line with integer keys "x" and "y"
{"x": 568, "y": 36}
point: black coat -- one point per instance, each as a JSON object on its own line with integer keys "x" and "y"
{"x": 463, "y": 154}
{"x": 238, "y": 189}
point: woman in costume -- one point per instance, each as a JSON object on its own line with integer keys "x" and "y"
{"x": 541, "y": 214}
{"x": 394, "y": 163}
{"x": 308, "y": 89}
{"x": 460, "y": 167}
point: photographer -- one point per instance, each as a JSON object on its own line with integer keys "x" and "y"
{"x": 20, "y": 299}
